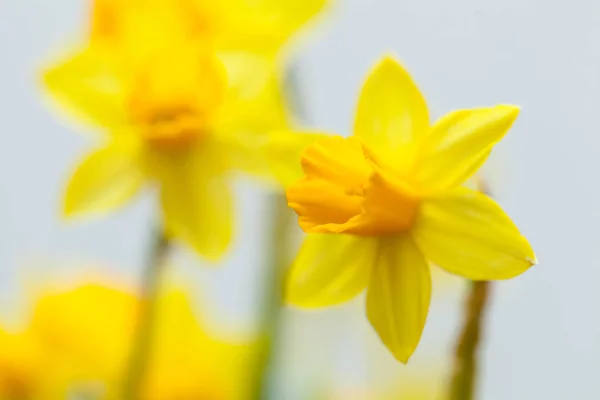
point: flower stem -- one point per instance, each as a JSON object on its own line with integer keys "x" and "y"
{"x": 141, "y": 349}
{"x": 273, "y": 294}
{"x": 282, "y": 222}
{"x": 464, "y": 379}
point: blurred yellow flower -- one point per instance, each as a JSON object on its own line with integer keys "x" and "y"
{"x": 78, "y": 344}
{"x": 182, "y": 87}
{"x": 383, "y": 205}
{"x": 21, "y": 368}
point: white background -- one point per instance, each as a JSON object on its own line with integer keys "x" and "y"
{"x": 543, "y": 341}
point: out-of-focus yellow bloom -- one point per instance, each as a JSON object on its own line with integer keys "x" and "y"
{"x": 383, "y": 205}
{"x": 182, "y": 88}
{"x": 86, "y": 332}
{"x": 187, "y": 363}
{"x": 79, "y": 340}
{"x": 74, "y": 340}
{"x": 22, "y": 368}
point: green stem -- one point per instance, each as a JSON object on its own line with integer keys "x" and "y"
{"x": 464, "y": 379}
{"x": 273, "y": 294}
{"x": 141, "y": 351}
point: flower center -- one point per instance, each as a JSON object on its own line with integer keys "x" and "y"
{"x": 347, "y": 190}
{"x": 15, "y": 384}
{"x": 172, "y": 127}
{"x": 175, "y": 97}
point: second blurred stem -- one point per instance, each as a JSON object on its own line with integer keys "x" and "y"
{"x": 278, "y": 251}
{"x": 142, "y": 343}
{"x": 465, "y": 373}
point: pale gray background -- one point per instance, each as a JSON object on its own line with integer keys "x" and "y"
{"x": 543, "y": 341}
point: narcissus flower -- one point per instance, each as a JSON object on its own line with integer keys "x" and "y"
{"x": 78, "y": 342}
{"x": 181, "y": 90}
{"x": 382, "y": 206}
{"x": 22, "y": 368}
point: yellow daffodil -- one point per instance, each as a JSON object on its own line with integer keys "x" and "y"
{"x": 383, "y": 205}
{"x": 21, "y": 368}
{"x": 79, "y": 340}
{"x": 188, "y": 363}
{"x": 181, "y": 88}
{"x": 66, "y": 346}
{"x": 87, "y": 331}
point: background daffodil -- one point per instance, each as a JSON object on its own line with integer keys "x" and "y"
{"x": 181, "y": 90}
{"x": 22, "y": 369}
{"x": 77, "y": 342}
{"x": 383, "y": 205}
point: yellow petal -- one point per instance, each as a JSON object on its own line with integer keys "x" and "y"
{"x": 87, "y": 87}
{"x": 459, "y": 144}
{"x": 21, "y": 366}
{"x": 195, "y": 197}
{"x": 253, "y": 101}
{"x": 468, "y": 234}
{"x": 283, "y": 151}
{"x": 398, "y": 295}
{"x": 391, "y": 110}
{"x": 330, "y": 269}
{"x": 107, "y": 19}
{"x": 181, "y": 79}
{"x": 189, "y": 363}
{"x": 107, "y": 179}
{"x": 71, "y": 326}
{"x": 136, "y": 26}
{"x": 263, "y": 25}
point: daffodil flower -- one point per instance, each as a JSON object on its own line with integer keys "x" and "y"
{"x": 21, "y": 368}
{"x": 180, "y": 90}
{"x": 78, "y": 338}
{"x": 383, "y": 205}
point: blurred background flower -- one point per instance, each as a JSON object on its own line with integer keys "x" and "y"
{"x": 181, "y": 89}
{"x": 77, "y": 341}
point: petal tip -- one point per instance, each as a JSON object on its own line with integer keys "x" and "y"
{"x": 532, "y": 261}
{"x": 403, "y": 354}
{"x": 69, "y": 209}
{"x": 403, "y": 358}
{"x": 388, "y": 62}
{"x": 511, "y": 110}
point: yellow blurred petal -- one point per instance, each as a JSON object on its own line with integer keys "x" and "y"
{"x": 391, "y": 111}
{"x": 195, "y": 197}
{"x": 245, "y": 155}
{"x": 187, "y": 362}
{"x": 330, "y": 269}
{"x": 283, "y": 151}
{"x": 181, "y": 79}
{"x": 398, "y": 295}
{"x": 459, "y": 144}
{"x": 21, "y": 366}
{"x": 253, "y": 102}
{"x": 106, "y": 179}
{"x": 87, "y": 87}
{"x": 468, "y": 234}
{"x": 263, "y": 25}
{"x": 107, "y": 19}
{"x": 87, "y": 330}
{"x": 275, "y": 155}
